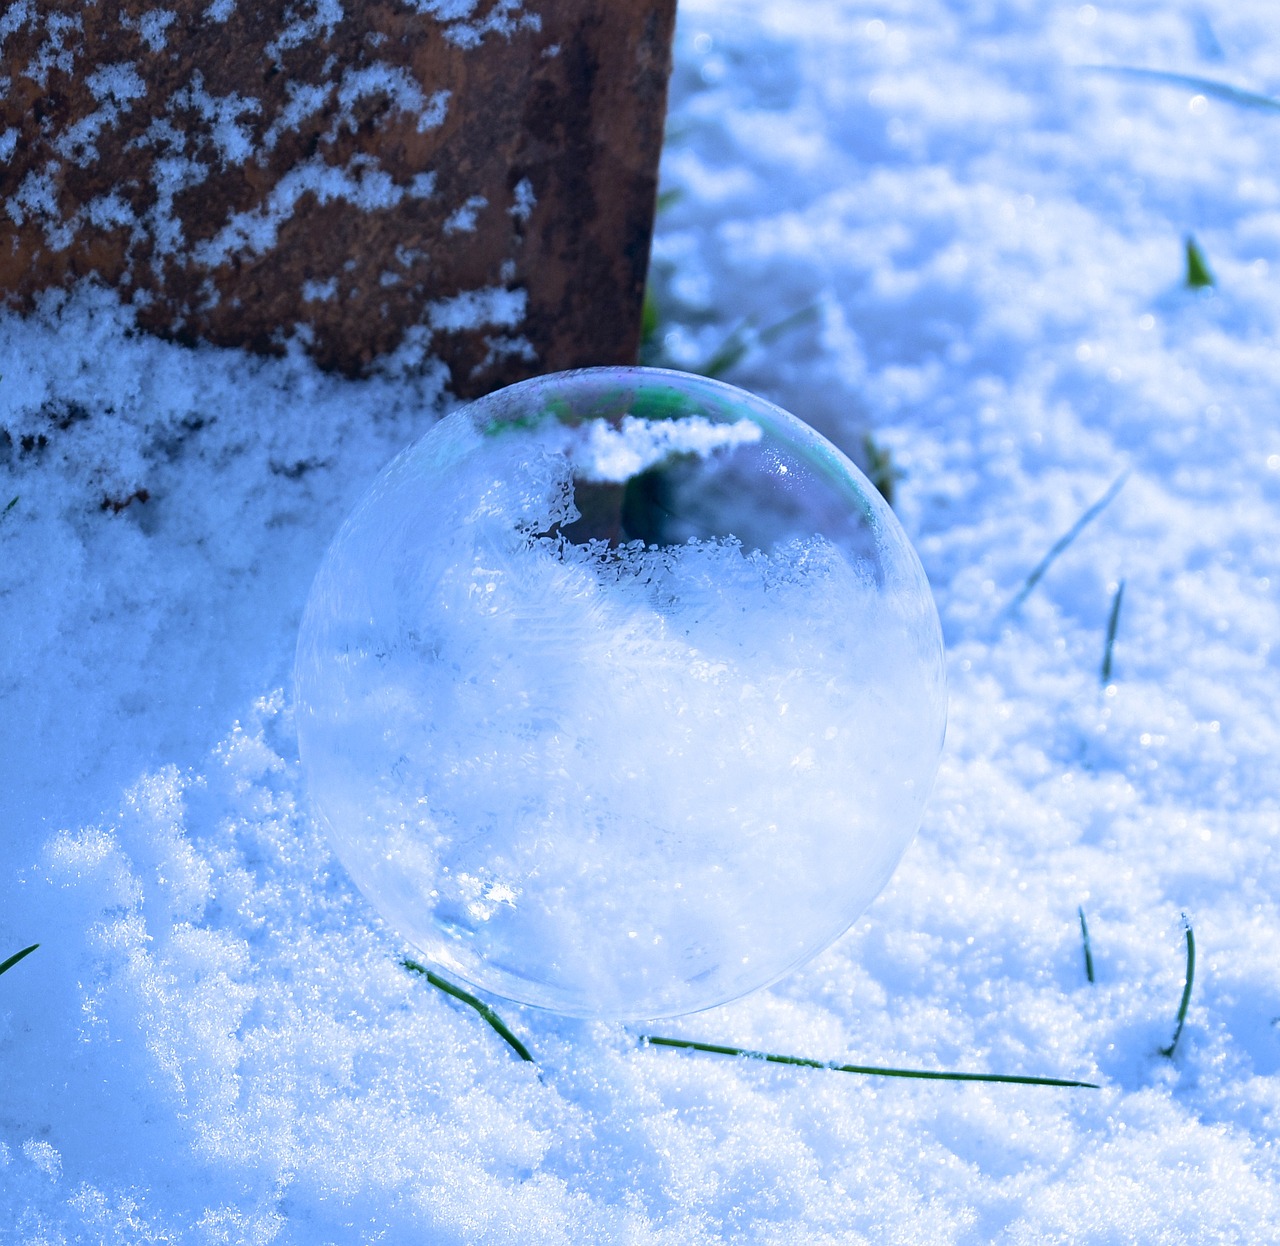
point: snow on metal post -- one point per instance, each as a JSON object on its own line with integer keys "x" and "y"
{"x": 469, "y": 179}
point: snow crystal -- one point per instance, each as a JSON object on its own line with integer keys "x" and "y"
{"x": 153, "y": 25}
{"x": 320, "y": 24}
{"x": 525, "y": 200}
{"x": 44, "y": 1157}
{"x": 422, "y": 185}
{"x": 320, "y": 291}
{"x": 503, "y": 17}
{"x": 434, "y": 113}
{"x": 223, "y": 112}
{"x": 475, "y": 309}
{"x": 397, "y": 85}
{"x": 360, "y": 182}
{"x": 36, "y": 193}
{"x": 463, "y": 219}
{"x": 608, "y": 453}
{"x": 119, "y": 83}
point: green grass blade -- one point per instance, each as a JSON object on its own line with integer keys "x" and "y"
{"x": 806, "y": 315}
{"x": 12, "y": 503}
{"x": 443, "y": 984}
{"x": 1198, "y": 274}
{"x": 655, "y": 1040}
{"x": 1088, "y": 951}
{"x": 5, "y": 966}
{"x": 745, "y": 336}
{"x": 1168, "y": 1051}
{"x": 667, "y": 199}
{"x": 1065, "y": 540}
{"x": 1205, "y": 86}
{"x": 648, "y": 318}
{"x": 882, "y": 471}
{"x": 1113, "y": 621}
{"x": 731, "y": 351}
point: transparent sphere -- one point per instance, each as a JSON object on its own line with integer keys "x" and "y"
{"x": 620, "y": 693}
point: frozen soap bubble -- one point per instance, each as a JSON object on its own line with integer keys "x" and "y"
{"x": 620, "y": 693}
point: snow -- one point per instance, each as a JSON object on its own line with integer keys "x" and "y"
{"x": 215, "y": 1041}
{"x": 606, "y": 453}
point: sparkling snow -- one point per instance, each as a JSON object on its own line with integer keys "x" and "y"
{"x": 215, "y": 1041}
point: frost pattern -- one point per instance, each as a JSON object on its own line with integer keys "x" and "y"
{"x": 361, "y": 182}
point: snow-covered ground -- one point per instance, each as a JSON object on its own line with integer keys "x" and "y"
{"x": 215, "y": 1041}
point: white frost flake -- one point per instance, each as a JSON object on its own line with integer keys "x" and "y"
{"x": 463, "y": 221}
{"x": 422, "y": 185}
{"x": 525, "y": 200}
{"x": 434, "y": 113}
{"x": 121, "y": 84}
{"x": 379, "y": 79}
{"x": 233, "y": 140}
{"x": 361, "y": 182}
{"x": 53, "y": 53}
{"x": 505, "y": 18}
{"x": 171, "y": 175}
{"x": 37, "y": 195}
{"x": 322, "y": 23}
{"x": 445, "y": 10}
{"x": 474, "y": 309}
{"x": 108, "y": 211}
{"x": 15, "y": 17}
{"x": 44, "y": 1156}
{"x": 603, "y": 453}
{"x": 319, "y": 291}
{"x": 152, "y": 27}
{"x": 305, "y": 100}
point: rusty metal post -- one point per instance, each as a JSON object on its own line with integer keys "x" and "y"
{"x": 473, "y": 179}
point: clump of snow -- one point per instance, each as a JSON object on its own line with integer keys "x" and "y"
{"x": 122, "y": 84}
{"x": 476, "y": 309}
{"x": 360, "y": 182}
{"x": 605, "y": 453}
{"x": 215, "y": 1037}
{"x": 232, "y": 136}
{"x": 153, "y": 25}
{"x": 463, "y": 219}
{"x": 320, "y": 291}
{"x": 504, "y": 17}
{"x": 525, "y": 200}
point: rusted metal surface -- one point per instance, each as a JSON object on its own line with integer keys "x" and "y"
{"x": 472, "y": 181}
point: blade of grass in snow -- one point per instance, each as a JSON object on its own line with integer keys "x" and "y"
{"x": 882, "y": 471}
{"x": 5, "y": 966}
{"x": 870, "y": 1070}
{"x": 1168, "y": 1051}
{"x": 472, "y": 1002}
{"x": 648, "y": 318}
{"x": 12, "y": 503}
{"x": 1065, "y": 540}
{"x": 1198, "y": 274}
{"x": 743, "y": 338}
{"x": 1205, "y": 86}
{"x": 1112, "y": 622}
{"x": 1088, "y": 951}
